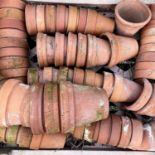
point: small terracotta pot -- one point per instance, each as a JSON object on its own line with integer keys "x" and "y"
{"x": 11, "y": 135}
{"x": 12, "y": 13}
{"x": 137, "y": 134}
{"x": 148, "y": 109}
{"x": 147, "y": 40}
{"x": 9, "y": 32}
{"x": 103, "y": 24}
{"x": 5, "y": 92}
{"x": 12, "y": 23}
{"x": 14, "y": 103}
{"x": 53, "y": 141}
{"x": 73, "y": 17}
{"x": 13, "y": 4}
{"x": 47, "y": 74}
{"x": 61, "y": 18}
{"x": 40, "y": 18}
{"x": 81, "y": 50}
{"x": 145, "y": 57}
{"x": 143, "y": 98}
{"x": 13, "y": 62}
{"x": 122, "y": 48}
{"x": 50, "y": 18}
{"x": 130, "y": 22}
{"x": 3, "y": 134}
{"x": 51, "y": 111}
{"x": 115, "y": 131}
{"x": 78, "y": 76}
{"x": 35, "y": 142}
{"x": 15, "y": 51}
{"x": 89, "y": 78}
{"x": 82, "y": 20}
{"x": 125, "y": 87}
{"x": 59, "y": 49}
{"x": 126, "y": 132}
{"x": 24, "y": 137}
{"x": 71, "y": 49}
{"x": 91, "y": 22}
{"x": 30, "y": 19}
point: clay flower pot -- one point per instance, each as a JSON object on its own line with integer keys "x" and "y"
{"x": 50, "y": 18}
{"x": 30, "y": 18}
{"x": 122, "y": 48}
{"x": 89, "y": 78}
{"x": 148, "y": 31}
{"x": 130, "y": 22}
{"x": 78, "y": 76}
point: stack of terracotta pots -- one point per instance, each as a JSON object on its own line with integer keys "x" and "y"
{"x": 84, "y": 50}
{"x": 51, "y": 107}
{"x": 145, "y": 64}
{"x": 118, "y": 88}
{"x": 23, "y": 137}
{"x": 60, "y": 18}
{"x": 13, "y": 43}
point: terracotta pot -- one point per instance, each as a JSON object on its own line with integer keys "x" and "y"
{"x": 148, "y": 109}
{"x": 82, "y": 20}
{"x": 143, "y": 98}
{"x": 125, "y": 87}
{"x": 98, "y": 80}
{"x": 13, "y": 42}
{"x": 59, "y": 49}
{"x": 40, "y": 18}
{"x": 50, "y": 18}
{"x": 91, "y": 22}
{"x": 63, "y": 73}
{"x": 89, "y": 78}
{"x": 126, "y": 132}
{"x": 81, "y": 50}
{"x": 11, "y": 135}
{"x": 9, "y": 32}
{"x": 106, "y": 129}
{"x": 12, "y": 13}
{"x": 148, "y": 31}
{"x": 147, "y": 40}
{"x": 35, "y": 142}
{"x": 30, "y": 19}
{"x": 145, "y": 65}
{"x": 3, "y": 134}
{"x": 11, "y": 73}
{"x": 13, "y": 62}
{"x": 36, "y": 116}
{"x": 130, "y": 22}
{"x": 145, "y": 57}
{"x": 5, "y": 92}
{"x": 70, "y": 75}
{"x": 103, "y": 24}
{"x": 147, "y": 48}
{"x": 24, "y": 137}
{"x": 79, "y": 133}
{"x": 137, "y": 134}
{"x": 55, "y": 75}
{"x": 115, "y": 131}
{"x": 53, "y": 141}
{"x": 73, "y": 17}
{"x": 61, "y": 18}
{"x": 12, "y": 23}
{"x": 14, "y": 103}
{"x": 13, "y": 4}
{"x": 122, "y": 48}
{"x": 47, "y": 74}
{"x": 71, "y": 49}
{"x": 32, "y": 76}
{"x": 51, "y": 111}
{"x": 15, "y": 51}
{"x": 108, "y": 83}
{"x": 78, "y": 76}
{"x": 50, "y": 49}
{"x": 84, "y": 98}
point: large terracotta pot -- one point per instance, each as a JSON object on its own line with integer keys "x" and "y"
{"x": 128, "y": 19}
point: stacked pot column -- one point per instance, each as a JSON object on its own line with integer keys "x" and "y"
{"x": 13, "y": 43}
{"x": 117, "y": 88}
{"x": 60, "y": 18}
{"x": 50, "y": 107}
{"x": 84, "y": 50}
{"x": 145, "y": 61}
{"x": 23, "y": 137}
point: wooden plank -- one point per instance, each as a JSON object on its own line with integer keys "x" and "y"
{"x": 92, "y": 2}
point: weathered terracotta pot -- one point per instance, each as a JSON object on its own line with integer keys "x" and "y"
{"x": 62, "y": 74}
{"x": 78, "y": 76}
{"x": 145, "y": 57}
{"x": 89, "y": 78}
{"x": 73, "y": 16}
{"x": 145, "y": 65}
{"x": 47, "y": 75}
{"x": 147, "y": 48}
{"x": 13, "y": 4}
{"x": 122, "y": 48}
{"x": 30, "y": 19}
{"x": 91, "y": 22}
{"x": 130, "y": 22}
{"x": 40, "y": 18}
{"x": 148, "y": 31}
{"x": 50, "y": 18}
{"x": 147, "y": 40}
{"x": 125, "y": 87}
